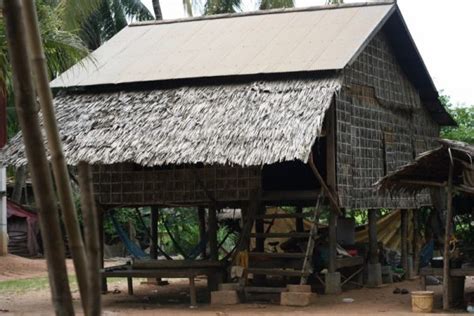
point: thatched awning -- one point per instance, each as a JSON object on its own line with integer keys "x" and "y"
{"x": 242, "y": 124}
{"x": 431, "y": 169}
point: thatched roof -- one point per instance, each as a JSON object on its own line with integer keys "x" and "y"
{"x": 243, "y": 124}
{"x": 431, "y": 169}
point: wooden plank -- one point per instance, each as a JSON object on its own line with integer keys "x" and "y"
{"x": 453, "y": 272}
{"x": 349, "y": 262}
{"x": 279, "y": 235}
{"x": 282, "y": 272}
{"x": 285, "y": 255}
{"x": 283, "y": 216}
{"x": 278, "y": 196}
{"x": 162, "y": 273}
{"x": 174, "y": 264}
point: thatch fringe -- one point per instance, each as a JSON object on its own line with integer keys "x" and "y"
{"x": 242, "y": 124}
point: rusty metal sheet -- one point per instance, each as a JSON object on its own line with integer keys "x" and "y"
{"x": 273, "y": 42}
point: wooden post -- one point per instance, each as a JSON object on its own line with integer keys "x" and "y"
{"x": 299, "y": 224}
{"x": 202, "y": 228}
{"x": 416, "y": 251}
{"x": 373, "y": 243}
{"x": 260, "y": 228}
{"x": 58, "y": 162}
{"x": 102, "y": 245}
{"x": 91, "y": 234}
{"x": 332, "y": 242}
{"x": 192, "y": 292}
{"x": 447, "y": 238}
{"x": 212, "y": 231}
{"x": 404, "y": 240}
{"x": 154, "y": 233}
{"x": 3, "y": 173}
{"x": 25, "y": 102}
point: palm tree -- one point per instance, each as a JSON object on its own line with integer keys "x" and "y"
{"x": 157, "y": 10}
{"x": 276, "y": 4}
{"x": 62, "y": 49}
{"x": 109, "y": 18}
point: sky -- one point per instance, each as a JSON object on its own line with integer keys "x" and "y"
{"x": 443, "y": 32}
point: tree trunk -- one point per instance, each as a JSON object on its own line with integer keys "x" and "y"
{"x": 25, "y": 102}
{"x": 157, "y": 9}
{"x": 60, "y": 171}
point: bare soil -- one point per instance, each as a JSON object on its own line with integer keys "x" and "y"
{"x": 173, "y": 299}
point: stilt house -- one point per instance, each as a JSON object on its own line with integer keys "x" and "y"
{"x": 228, "y": 110}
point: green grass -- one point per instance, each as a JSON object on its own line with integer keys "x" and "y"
{"x": 36, "y": 284}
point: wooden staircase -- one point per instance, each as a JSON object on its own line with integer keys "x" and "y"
{"x": 277, "y": 264}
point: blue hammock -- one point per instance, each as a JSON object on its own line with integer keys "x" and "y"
{"x": 132, "y": 248}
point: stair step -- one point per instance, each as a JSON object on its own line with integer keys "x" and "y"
{"x": 283, "y": 272}
{"x": 285, "y": 255}
{"x": 282, "y": 216}
{"x": 279, "y": 235}
{"x": 264, "y": 289}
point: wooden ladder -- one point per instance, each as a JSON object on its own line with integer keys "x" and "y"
{"x": 306, "y": 268}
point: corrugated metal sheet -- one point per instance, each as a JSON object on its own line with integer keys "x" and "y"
{"x": 291, "y": 41}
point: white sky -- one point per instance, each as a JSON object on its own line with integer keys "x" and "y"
{"x": 443, "y": 31}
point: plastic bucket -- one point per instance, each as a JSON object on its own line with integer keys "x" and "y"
{"x": 422, "y": 301}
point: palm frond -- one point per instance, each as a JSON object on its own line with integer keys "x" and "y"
{"x": 221, "y": 6}
{"x": 276, "y": 4}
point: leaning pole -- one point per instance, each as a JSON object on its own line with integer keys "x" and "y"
{"x": 25, "y": 103}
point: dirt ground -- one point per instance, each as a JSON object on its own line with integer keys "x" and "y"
{"x": 173, "y": 299}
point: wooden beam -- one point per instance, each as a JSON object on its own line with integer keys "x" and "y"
{"x": 332, "y": 200}
{"x": 424, "y": 183}
{"x": 373, "y": 242}
{"x": 277, "y": 196}
{"x": 447, "y": 238}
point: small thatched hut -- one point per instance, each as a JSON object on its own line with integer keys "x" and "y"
{"x": 222, "y": 110}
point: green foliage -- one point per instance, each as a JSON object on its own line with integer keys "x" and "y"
{"x": 464, "y": 116}
{"x": 221, "y": 6}
{"x": 109, "y": 18}
{"x": 62, "y": 50}
{"x": 276, "y": 4}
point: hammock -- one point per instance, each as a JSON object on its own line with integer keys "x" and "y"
{"x": 132, "y": 248}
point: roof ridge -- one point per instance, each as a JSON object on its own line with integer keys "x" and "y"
{"x": 266, "y": 12}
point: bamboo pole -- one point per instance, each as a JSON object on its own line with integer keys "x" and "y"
{"x": 25, "y": 102}
{"x": 447, "y": 236}
{"x": 91, "y": 233}
{"x": 60, "y": 171}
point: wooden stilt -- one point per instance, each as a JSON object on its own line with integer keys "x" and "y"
{"x": 192, "y": 292}
{"x": 332, "y": 242}
{"x": 447, "y": 238}
{"x": 373, "y": 242}
{"x": 259, "y": 228}
{"x": 404, "y": 240}
{"x": 416, "y": 251}
{"x": 212, "y": 231}
{"x": 102, "y": 244}
{"x": 299, "y": 220}
{"x": 154, "y": 233}
{"x": 202, "y": 228}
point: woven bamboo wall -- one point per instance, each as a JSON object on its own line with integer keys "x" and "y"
{"x": 130, "y": 184}
{"x": 381, "y": 125}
